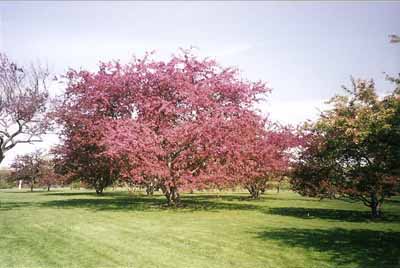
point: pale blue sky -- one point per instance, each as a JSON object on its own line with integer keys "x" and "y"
{"x": 305, "y": 51}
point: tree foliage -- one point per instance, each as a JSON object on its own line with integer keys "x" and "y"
{"x": 353, "y": 149}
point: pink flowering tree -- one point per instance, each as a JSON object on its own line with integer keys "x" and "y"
{"x": 23, "y": 98}
{"x": 264, "y": 153}
{"x": 178, "y": 135}
{"x": 167, "y": 123}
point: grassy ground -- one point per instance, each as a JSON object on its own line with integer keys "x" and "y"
{"x": 79, "y": 229}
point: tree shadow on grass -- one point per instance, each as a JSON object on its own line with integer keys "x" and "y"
{"x": 393, "y": 201}
{"x": 244, "y": 196}
{"x": 364, "y": 248}
{"x": 121, "y": 201}
{"x": 218, "y": 203}
{"x": 75, "y": 194}
{"x": 228, "y": 197}
{"x": 117, "y": 202}
{"x": 184, "y": 196}
{"x": 331, "y": 214}
{"x": 238, "y": 197}
{"x": 106, "y": 203}
{"x": 14, "y": 205}
{"x": 283, "y": 197}
{"x": 231, "y": 197}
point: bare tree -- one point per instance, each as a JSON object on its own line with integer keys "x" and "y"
{"x": 23, "y": 98}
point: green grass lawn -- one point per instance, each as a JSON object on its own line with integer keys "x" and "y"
{"x": 80, "y": 229}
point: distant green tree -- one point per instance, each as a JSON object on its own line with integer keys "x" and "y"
{"x": 353, "y": 149}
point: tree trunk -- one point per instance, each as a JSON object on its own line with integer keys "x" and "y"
{"x": 172, "y": 195}
{"x": 150, "y": 189}
{"x": 278, "y": 188}
{"x": 20, "y": 185}
{"x": 175, "y": 198}
{"x": 263, "y": 189}
{"x": 100, "y": 185}
{"x": 32, "y": 187}
{"x": 99, "y": 190}
{"x": 376, "y": 212}
{"x": 254, "y": 191}
{"x": 48, "y": 188}
{"x": 255, "y": 194}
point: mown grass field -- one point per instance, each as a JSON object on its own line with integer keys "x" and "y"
{"x": 79, "y": 229}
